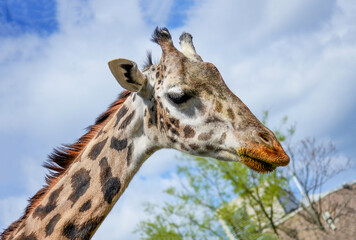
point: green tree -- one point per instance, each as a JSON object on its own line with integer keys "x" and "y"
{"x": 226, "y": 200}
{"x": 201, "y": 205}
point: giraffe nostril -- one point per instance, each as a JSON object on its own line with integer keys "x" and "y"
{"x": 266, "y": 139}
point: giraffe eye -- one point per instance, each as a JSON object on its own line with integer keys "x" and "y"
{"x": 179, "y": 98}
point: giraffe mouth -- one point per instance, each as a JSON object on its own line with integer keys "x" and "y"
{"x": 253, "y": 162}
{"x": 263, "y": 159}
{"x": 257, "y": 164}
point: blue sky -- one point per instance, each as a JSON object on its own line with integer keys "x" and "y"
{"x": 33, "y": 16}
{"x": 40, "y": 16}
{"x": 294, "y": 58}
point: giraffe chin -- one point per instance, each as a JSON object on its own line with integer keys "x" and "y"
{"x": 257, "y": 164}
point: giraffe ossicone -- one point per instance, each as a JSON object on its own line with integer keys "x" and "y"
{"x": 182, "y": 103}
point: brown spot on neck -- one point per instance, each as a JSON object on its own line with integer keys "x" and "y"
{"x": 86, "y": 206}
{"x": 205, "y": 136}
{"x": 118, "y": 144}
{"x": 120, "y": 114}
{"x": 222, "y": 138}
{"x": 231, "y": 114}
{"x": 110, "y": 185}
{"x": 96, "y": 149}
{"x": 83, "y": 231}
{"x": 218, "y": 106}
{"x": 80, "y": 183}
{"x": 188, "y": 132}
{"x": 52, "y": 224}
{"x": 42, "y": 211}
{"x": 32, "y": 236}
{"x": 127, "y": 120}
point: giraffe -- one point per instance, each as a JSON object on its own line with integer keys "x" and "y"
{"x": 182, "y": 103}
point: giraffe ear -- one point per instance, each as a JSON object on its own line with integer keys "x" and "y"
{"x": 127, "y": 74}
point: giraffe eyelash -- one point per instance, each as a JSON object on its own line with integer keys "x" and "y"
{"x": 178, "y": 98}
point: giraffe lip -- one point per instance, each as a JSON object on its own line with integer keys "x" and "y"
{"x": 252, "y": 162}
{"x": 257, "y": 164}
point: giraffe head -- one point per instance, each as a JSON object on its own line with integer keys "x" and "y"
{"x": 187, "y": 106}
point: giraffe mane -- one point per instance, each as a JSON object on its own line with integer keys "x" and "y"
{"x": 62, "y": 158}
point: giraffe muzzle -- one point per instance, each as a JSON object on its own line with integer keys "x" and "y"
{"x": 265, "y": 156}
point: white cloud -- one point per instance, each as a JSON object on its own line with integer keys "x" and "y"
{"x": 34, "y": 174}
{"x": 11, "y": 207}
{"x": 157, "y": 11}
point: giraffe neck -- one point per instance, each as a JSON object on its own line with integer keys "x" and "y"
{"x": 82, "y": 197}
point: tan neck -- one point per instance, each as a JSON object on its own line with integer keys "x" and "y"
{"x": 83, "y": 196}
